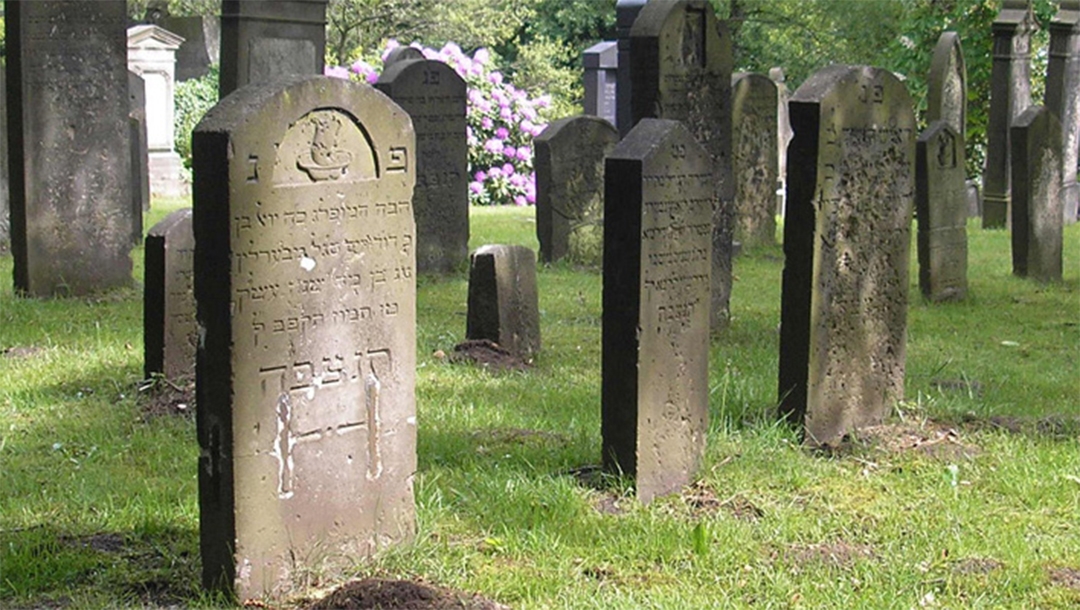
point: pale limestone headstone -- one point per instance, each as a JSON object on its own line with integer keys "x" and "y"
{"x": 152, "y": 55}
{"x": 754, "y": 157}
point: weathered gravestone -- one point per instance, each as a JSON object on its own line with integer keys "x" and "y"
{"x": 1010, "y": 94}
{"x": 569, "y": 167}
{"x": 941, "y": 209}
{"x": 265, "y": 41}
{"x": 974, "y": 199}
{"x": 754, "y": 157}
{"x": 152, "y": 55}
{"x": 1037, "y": 197}
{"x": 5, "y": 217}
{"x": 626, "y": 12}
{"x": 201, "y": 47}
{"x": 68, "y": 137}
{"x": 434, "y": 96}
{"x": 681, "y": 62}
{"x": 402, "y": 53}
{"x": 140, "y": 173}
{"x": 170, "y": 334}
{"x": 503, "y": 300}
{"x": 601, "y": 64}
{"x": 658, "y": 203}
{"x": 306, "y": 303}
{"x": 1063, "y": 97}
{"x": 946, "y": 87}
{"x": 783, "y": 134}
{"x": 851, "y": 182}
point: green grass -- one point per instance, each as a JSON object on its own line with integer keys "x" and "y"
{"x": 98, "y": 504}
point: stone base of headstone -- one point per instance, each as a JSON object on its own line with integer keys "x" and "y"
{"x": 503, "y": 300}
{"x": 995, "y": 212}
{"x": 166, "y": 178}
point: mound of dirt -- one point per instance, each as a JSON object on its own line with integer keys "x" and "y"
{"x": 376, "y": 593}
{"x": 488, "y": 354}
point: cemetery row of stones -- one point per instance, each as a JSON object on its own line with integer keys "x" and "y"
{"x": 317, "y": 200}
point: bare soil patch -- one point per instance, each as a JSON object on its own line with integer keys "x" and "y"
{"x": 838, "y": 554}
{"x": 489, "y": 355}
{"x": 704, "y": 502}
{"x": 935, "y": 440}
{"x": 19, "y": 352}
{"x": 376, "y": 593}
{"x": 160, "y": 396}
{"x": 1066, "y": 576}
{"x": 976, "y": 566}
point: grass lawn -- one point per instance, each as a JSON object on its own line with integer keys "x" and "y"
{"x": 968, "y": 498}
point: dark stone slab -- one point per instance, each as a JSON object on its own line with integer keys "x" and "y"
{"x": 140, "y": 154}
{"x": 569, "y": 167}
{"x": 1037, "y": 198}
{"x": 754, "y": 157}
{"x": 601, "y": 63}
{"x": 946, "y": 94}
{"x": 681, "y": 62}
{"x": 503, "y": 301}
{"x": 434, "y": 96}
{"x": 626, "y": 12}
{"x": 268, "y": 40}
{"x": 1063, "y": 97}
{"x": 941, "y": 208}
{"x": 658, "y": 206}
{"x": 170, "y": 335}
{"x": 5, "y": 215}
{"x": 306, "y": 298}
{"x": 851, "y": 183}
{"x": 201, "y": 47}
{"x": 70, "y": 163}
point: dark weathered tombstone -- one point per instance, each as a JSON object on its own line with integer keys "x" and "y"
{"x": 783, "y": 135}
{"x": 402, "y": 53}
{"x": 601, "y": 63}
{"x": 201, "y": 47}
{"x": 974, "y": 199}
{"x": 658, "y": 207}
{"x": 503, "y": 301}
{"x": 1037, "y": 198}
{"x": 140, "y": 160}
{"x": 626, "y": 12}
{"x": 1010, "y": 94}
{"x": 5, "y": 217}
{"x": 681, "y": 62}
{"x": 946, "y": 94}
{"x": 434, "y": 96}
{"x": 851, "y": 182}
{"x": 170, "y": 334}
{"x": 570, "y": 188}
{"x": 1063, "y": 97}
{"x": 68, "y": 138}
{"x": 754, "y": 157}
{"x": 268, "y": 40}
{"x": 306, "y": 302}
{"x": 941, "y": 210}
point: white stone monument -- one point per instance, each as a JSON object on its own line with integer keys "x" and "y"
{"x": 152, "y": 55}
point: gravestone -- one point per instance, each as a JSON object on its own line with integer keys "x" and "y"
{"x": 783, "y": 135}
{"x": 681, "y": 61}
{"x": 1063, "y": 97}
{"x": 306, "y": 300}
{"x": 946, "y": 91}
{"x": 152, "y": 55}
{"x": 5, "y": 217}
{"x": 170, "y": 334}
{"x": 68, "y": 142}
{"x": 201, "y": 47}
{"x": 754, "y": 157}
{"x": 974, "y": 199}
{"x": 1010, "y": 94}
{"x": 601, "y": 63}
{"x": 941, "y": 210}
{"x": 503, "y": 300}
{"x": 1037, "y": 195}
{"x": 658, "y": 205}
{"x": 569, "y": 167}
{"x": 851, "y": 182}
{"x": 402, "y": 53}
{"x": 140, "y": 174}
{"x": 626, "y": 12}
{"x": 266, "y": 41}
{"x": 434, "y": 96}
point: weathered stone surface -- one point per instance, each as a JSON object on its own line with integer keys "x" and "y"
{"x": 941, "y": 209}
{"x": 681, "y": 62}
{"x": 201, "y": 47}
{"x": 1063, "y": 97}
{"x": 974, "y": 199}
{"x": 306, "y": 298}
{"x": 569, "y": 167}
{"x": 434, "y": 96}
{"x": 754, "y": 157}
{"x": 626, "y": 12}
{"x": 170, "y": 334}
{"x": 265, "y": 41}
{"x": 5, "y": 214}
{"x": 601, "y": 63}
{"x": 503, "y": 300}
{"x": 402, "y": 53}
{"x": 851, "y": 183}
{"x": 1037, "y": 198}
{"x": 784, "y": 134}
{"x": 140, "y": 172}
{"x": 659, "y": 195}
{"x": 152, "y": 55}
{"x": 946, "y": 94}
{"x": 69, "y": 145}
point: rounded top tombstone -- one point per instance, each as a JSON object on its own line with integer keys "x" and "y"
{"x": 946, "y": 97}
{"x": 402, "y": 54}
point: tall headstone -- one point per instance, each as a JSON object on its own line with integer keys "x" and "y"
{"x": 1037, "y": 195}
{"x": 851, "y": 183}
{"x": 658, "y": 207}
{"x": 783, "y": 135}
{"x": 201, "y": 47}
{"x": 754, "y": 157}
{"x": 267, "y": 40}
{"x": 68, "y": 142}
{"x": 601, "y": 63}
{"x": 140, "y": 169}
{"x": 1010, "y": 94}
{"x": 170, "y": 335}
{"x": 503, "y": 300}
{"x": 5, "y": 216}
{"x": 681, "y": 61}
{"x": 1063, "y": 97}
{"x": 946, "y": 95}
{"x": 941, "y": 208}
{"x": 152, "y": 55}
{"x": 306, "y": 301}
{"x": 569, "y": 167}
{"x": 626, "y": 12}
{"x": 434, "y": 96}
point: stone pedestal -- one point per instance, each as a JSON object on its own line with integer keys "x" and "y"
{"x": 1063, "y": 97}
{"x": 152, "y": 55}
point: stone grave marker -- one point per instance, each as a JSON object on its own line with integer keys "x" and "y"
{"x": 170, "y": 334}
{"x": 201, "y": 47}
{"x": 402, "y": 53}
{"x": 265, "y": 41}
{"x": 601, "y": 63}
{"x": 783, "y": 135}
{"x": 569, "y": 167}
{"x": 1037, "y": 195}
{"x": 946, "y": 94}
{"x": 69, "y": 145}
{"x": 754, "y": 157}
{"x": 306, "y": 299}
{"x": 5, "y": 216}
{"x": 503, "y": 300}
{"x": 941, "y": 210}
{"x": 152, "y": 55}
{"x": 140, "y": 173}
{"x": 626, "y": 12}
{"x": 974, "y": 199}
{"x": 681, "y": 62}
{"x": 434, "y": 96}
{"x": 1063, "y": 97}
{"x": 658, "y": 205}
{"x": 851, "y": 183}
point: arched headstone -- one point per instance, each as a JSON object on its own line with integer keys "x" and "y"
{"x": 754, "y": 157}
{"x": 946, "y": 95}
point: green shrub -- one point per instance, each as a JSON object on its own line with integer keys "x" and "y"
{"x": 193, "y": 98}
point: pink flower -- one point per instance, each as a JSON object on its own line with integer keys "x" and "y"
{"x": 336, "y": 71}
{"x": 481, "y": 56}
{"x": 487, "y": 123}
{"x": 520, "y": 200}
{"x": 476, "y": 187}
{"x": 372, "y": 78}
{"x": 480, "y": 176}
{"x": 506, "y": 114}
{"x": 510, "y": 152}
{"x": 493, "y": 146}
{"x": 502, "y": 133}
{"x": 507, "y": 169}
{"x": 524, "y": 153}
{"x": 495, "y": 78}
{"x": 495, "y": 172}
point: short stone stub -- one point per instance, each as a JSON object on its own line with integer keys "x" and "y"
{"x": 170, "y": 334}
{"x": 503, "y": 299}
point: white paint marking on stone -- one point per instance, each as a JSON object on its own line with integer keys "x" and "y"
{"x": 307, "y": 263}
